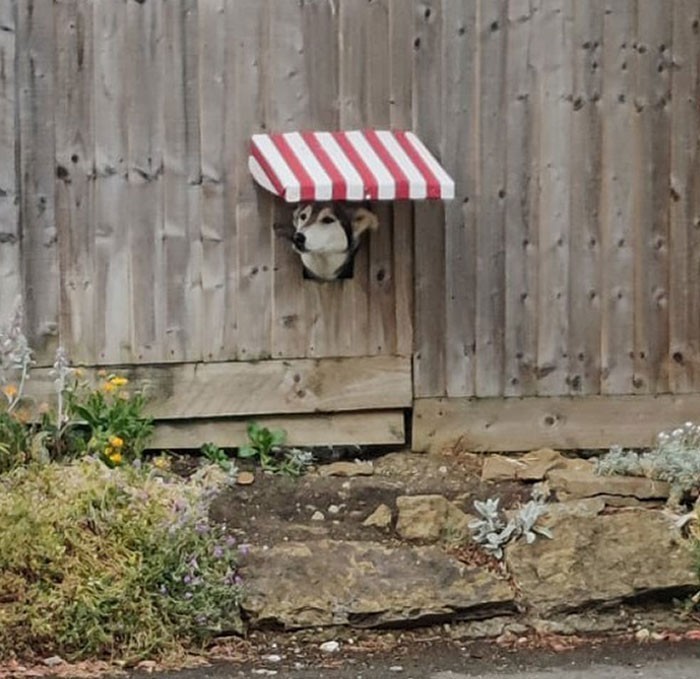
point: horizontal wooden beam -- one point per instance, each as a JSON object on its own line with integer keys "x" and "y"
{"x": 362, "y": 428}
{"x": 193, "y": 390}
{"x": 519, "y": 424}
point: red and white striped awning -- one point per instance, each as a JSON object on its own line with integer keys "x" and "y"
{"x": 355, "y": 165}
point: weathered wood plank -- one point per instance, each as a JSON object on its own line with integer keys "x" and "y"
{"x": 112, "y": 315}
{"x": 553, "y": 108}
{"x": 39, "y": 245}
{"x": 429, "y": 253}
{"x": 401, "y": 88}
{"x": 145, "y": 88}
{"x": 249, "y": 227}
{"x": 490, "y": 273}
{"x": 521, "y": 201}
{"x": 521, "y": 424}
{"x": 10, "y": 271}
{"x": 461, "y": 159}
{"x": 652, "y": 71}
{"x": 585, "y": 237}
{"x": 181, "y": 185}
{"x": 684, "y": 257}
{"x": 266, "y": 387}
{"x": 383, "y": 427}
{"x": 617, "y": 200}
{"x": 73, "y": 121}
{"x": 287, "y": 108}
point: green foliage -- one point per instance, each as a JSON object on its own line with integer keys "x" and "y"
{"x": 112, "y": 562}
{"x": 267, "y": 446}
{"x": 218, "y": 456}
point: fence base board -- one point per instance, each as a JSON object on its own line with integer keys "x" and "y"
{"x": 359, "y": 428}
{"x": 519, "y": 424}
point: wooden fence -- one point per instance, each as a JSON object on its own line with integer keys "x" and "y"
{"x": 568, "y": 266}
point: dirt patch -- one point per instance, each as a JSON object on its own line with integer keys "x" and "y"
{"x": 277, "y": 508}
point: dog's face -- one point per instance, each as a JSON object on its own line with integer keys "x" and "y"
{"x": 327, "y": 235}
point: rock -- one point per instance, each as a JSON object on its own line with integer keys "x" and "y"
{"x": 366, "y": 584}
{"x": 570, "y": 484}
{"x": 587, "y": 507}
{"x": 317, "y": 516}
{"x": 245, "y": 478}
{"x": 148, "y": 666}
{"x": 329, "y": 647}
{"x": 532, "y": 466}
{"x": 273, "y": 658}
{"x": 601, "y": 559}
{"x": 55, "y": 661}
{"x": 430, "y": 518}
{"x": 380, "y": 518}
{"x": 347, "y": 469}
{"x": 334, "y": 509}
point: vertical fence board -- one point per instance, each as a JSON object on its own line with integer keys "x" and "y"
{"x": 10, "y": 272}
{"x": 401, "y": 88}
{"x": 585, "y": 237}
{"x": 286, "y": 108}
{"x": 617, "y": 303}
{"x": 684, "y": 283}
{"x": 39, "y": 244}
{"x": 460, "y": 157}
{"x": 145, "y": 91}
{"x": 112, "y": 275}
{"x": 490, "y": 301}
{"x": 554, "y": 112}
{"x": 249, "y": 291}
{"x": 429, "y": 250}
{"x": 652, "y": 70}
{"x": 212, "y": 113}
{"x": 181, "y": 183}
{"x": 73, "y": 115}
{"x": 521, "y": 237}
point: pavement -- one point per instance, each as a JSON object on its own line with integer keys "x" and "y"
{"x": 610, "y": 661}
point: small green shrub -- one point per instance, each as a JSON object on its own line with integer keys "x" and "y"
{"x": 218, "y": 456}
{"x": 267, "y": 446}
{"x": 115, "y": 562}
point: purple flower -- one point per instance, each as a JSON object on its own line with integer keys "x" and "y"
{"x": 230, "y": 541}
{"x": 244, "y": 549}
{"x": 238, "y": 580}
{"x": 187, "y": 579}
{"x": 202, "y": 528}
{"x": 218, "y": 552}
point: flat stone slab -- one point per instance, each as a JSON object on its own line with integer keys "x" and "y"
{"x": 569, "y": 484}
{"x": 596, "y": 559}
{"x": 366, "y": 584}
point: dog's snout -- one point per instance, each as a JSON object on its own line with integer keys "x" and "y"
{"x": 299, "y": 240}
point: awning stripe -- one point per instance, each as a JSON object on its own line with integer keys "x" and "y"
{"x": 353, "y": 165}
{"x": 340, "y": 183}
{"x": 432, "y": 183}
{"x": 401, "y": 191}
{"x": 368, "y": 179}
{"x": 306, "y": 183}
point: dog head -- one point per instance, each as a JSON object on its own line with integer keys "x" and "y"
{"x": 327, "y": 236}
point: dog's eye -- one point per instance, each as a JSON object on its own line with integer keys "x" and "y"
{"x": 328, "y": 220}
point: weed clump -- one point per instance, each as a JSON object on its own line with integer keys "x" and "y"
{"x": 117, "y": 562}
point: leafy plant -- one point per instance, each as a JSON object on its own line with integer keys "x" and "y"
{"x": 218, "y": 456}
{"x": 675, "y": 458}
{"x": 262, "y": 444}
{"x": 493, "y": 532}
{"x": 116, "y": 562}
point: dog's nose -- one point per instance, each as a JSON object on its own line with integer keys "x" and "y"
{"x": 299, "y": 240}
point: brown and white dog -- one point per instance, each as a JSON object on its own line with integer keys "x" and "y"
{"x": 327, "y": 236}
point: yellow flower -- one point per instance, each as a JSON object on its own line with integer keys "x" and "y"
{"x": 115, "y": 457}
{"x": 118, "y": 381}
{"x": 107, "y": 387}
{"x": 10, "y": 391}
{"x": 116, "y": 442}
{"x": 161, "y": 462}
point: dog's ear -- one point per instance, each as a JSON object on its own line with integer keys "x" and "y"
{"x": 363, "y": 220}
